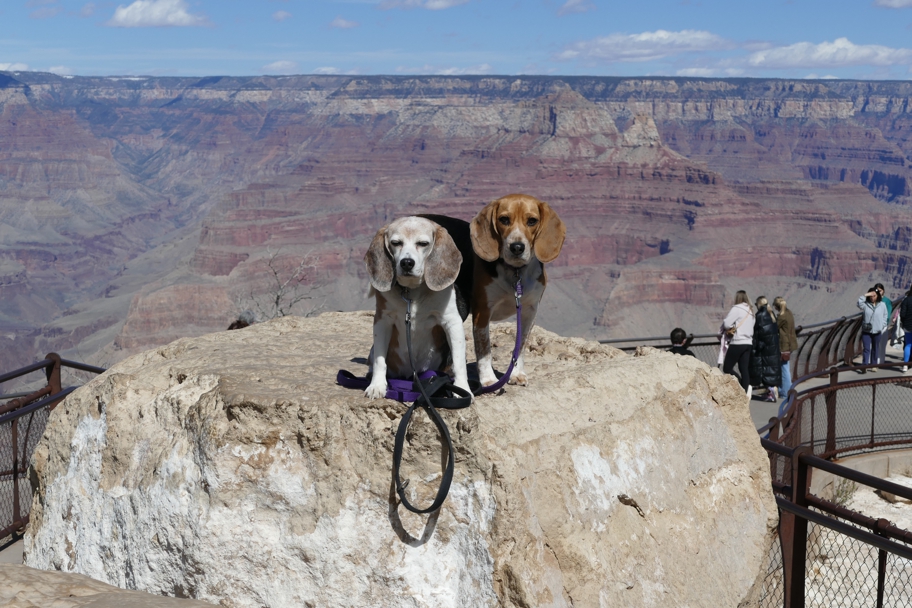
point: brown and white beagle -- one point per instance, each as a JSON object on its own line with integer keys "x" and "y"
{"x": 418, "y": 254}
{"x": 512, "y": 237}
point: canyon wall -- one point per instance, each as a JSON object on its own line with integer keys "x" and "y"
{"x": 137, "y": 210}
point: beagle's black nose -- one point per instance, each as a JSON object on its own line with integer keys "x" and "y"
{"x": 517, "y": 248}
{"x": 407, "y": 264}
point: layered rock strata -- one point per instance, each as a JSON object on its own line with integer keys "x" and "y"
{"x": 231, "y": 468}
{"x": 111, "y": 189}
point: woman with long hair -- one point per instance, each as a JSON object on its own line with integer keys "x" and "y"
{"x": 788, "y": 342}
{"x": 873, "y": 322}
{"x": 739, "y": 324}
{"x": 765, "y": 363}
{"x": 905, "y": 319}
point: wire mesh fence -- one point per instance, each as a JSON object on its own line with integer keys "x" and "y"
{"x": 18, "y": 439}
{"x": 843, "y": 571}
{"x": 773, "y": 593}
{"x": 23, "y": 418}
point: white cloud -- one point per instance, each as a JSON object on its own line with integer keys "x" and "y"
{"x": 60, "y": 70}
{"x": 839, "y": 53}
{"x": 281, "y": 15}
{"x": 647, "y": 46}
{"x": 343, "y": 24}
{"x": 431, "y": 5}
{"x": 280, "y": 67}
{"x": 893, "y": 3}
{"x": 88, "y": 9}
{"x": 14, "y": 67}
{"x": 328, "y": 71}
{"x": 155, "y": 13}
{"x": 576, "y": 6}
{"x": 483, "y": 68}
{"x": 817, "y": 77}
{"x": 698, "y": 72}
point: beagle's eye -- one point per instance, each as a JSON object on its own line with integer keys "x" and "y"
{"x": 395, "y": 243}
{"x": 422, "y": 243}
{"x": 531, "y": 221}
{"x": 504, "y": 219}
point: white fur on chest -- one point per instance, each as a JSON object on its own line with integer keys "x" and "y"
{"x": 430, "y": 348}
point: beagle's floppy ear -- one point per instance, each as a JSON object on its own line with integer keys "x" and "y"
{"x": 442, "y": 265}
{"x": 550, "y": 237}
{"x": 485, "y": 240}
{"x": 379, "y": 262}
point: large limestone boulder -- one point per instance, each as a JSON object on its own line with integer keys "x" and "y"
{"x": 231, "y": 468}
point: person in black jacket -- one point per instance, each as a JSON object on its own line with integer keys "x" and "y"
{"x": 905, "y": 319}
{"x": 765, "y": 363}
{"x": 680, "y": 341}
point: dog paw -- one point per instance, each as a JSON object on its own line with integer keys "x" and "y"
{"x": 487, "y": 380}
{"x": 518, "y": 378}
{"x": 375, "y": 391}
{"x": 465, "y": 386}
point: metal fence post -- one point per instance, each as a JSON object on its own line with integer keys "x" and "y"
{"x": 881, "y": 563}
{"x": 830, "y": 445}
{"x": 795, "y": 569}
{"x": 53, "y": 374}
{"x": 14, "y": 428}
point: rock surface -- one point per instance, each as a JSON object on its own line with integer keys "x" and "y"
{"x": 24, "y": 587}
{"x": 230, "y": 468}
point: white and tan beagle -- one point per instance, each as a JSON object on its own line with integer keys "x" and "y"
{"x": 512, "y": 237}
{"x": 419, "y": 255}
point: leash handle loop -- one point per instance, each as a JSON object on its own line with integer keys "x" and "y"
{"x": 427, "y": 388}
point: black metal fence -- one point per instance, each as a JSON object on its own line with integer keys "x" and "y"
{"x": 832, "y": 555}
{"x": 22, "y": 421}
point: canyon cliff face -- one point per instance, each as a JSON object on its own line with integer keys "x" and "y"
{"x": 135, "y": 211}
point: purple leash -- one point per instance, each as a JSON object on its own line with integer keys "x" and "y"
{"x": 517, "y": 292}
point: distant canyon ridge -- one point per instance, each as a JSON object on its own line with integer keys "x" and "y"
{"x": 134, "y": 211}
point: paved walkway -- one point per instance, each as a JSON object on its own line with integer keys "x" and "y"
{"x": 761, "y": 411}
{"x": 12, "y": 554}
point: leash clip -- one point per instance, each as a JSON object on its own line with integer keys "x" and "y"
{"x": 404, "y": 292}
{"x": 518, "y": 289}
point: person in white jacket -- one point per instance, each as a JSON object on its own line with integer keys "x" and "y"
{"x": 874, "y": 321}
{"x": 741, "y": 319}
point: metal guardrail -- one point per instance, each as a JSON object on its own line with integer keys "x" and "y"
{"x": 820, "y": 423}
{"x": 22, "y": 422}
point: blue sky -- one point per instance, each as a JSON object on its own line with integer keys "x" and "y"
{"x": 869, "y": 39}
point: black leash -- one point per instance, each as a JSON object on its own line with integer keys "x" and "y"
{"x": 436, "y": 392}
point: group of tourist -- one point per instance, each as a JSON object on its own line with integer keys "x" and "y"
{"x": 877, "y": 325}
{"x": 759, "y": 344}
{"x": 756, "y": 345}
